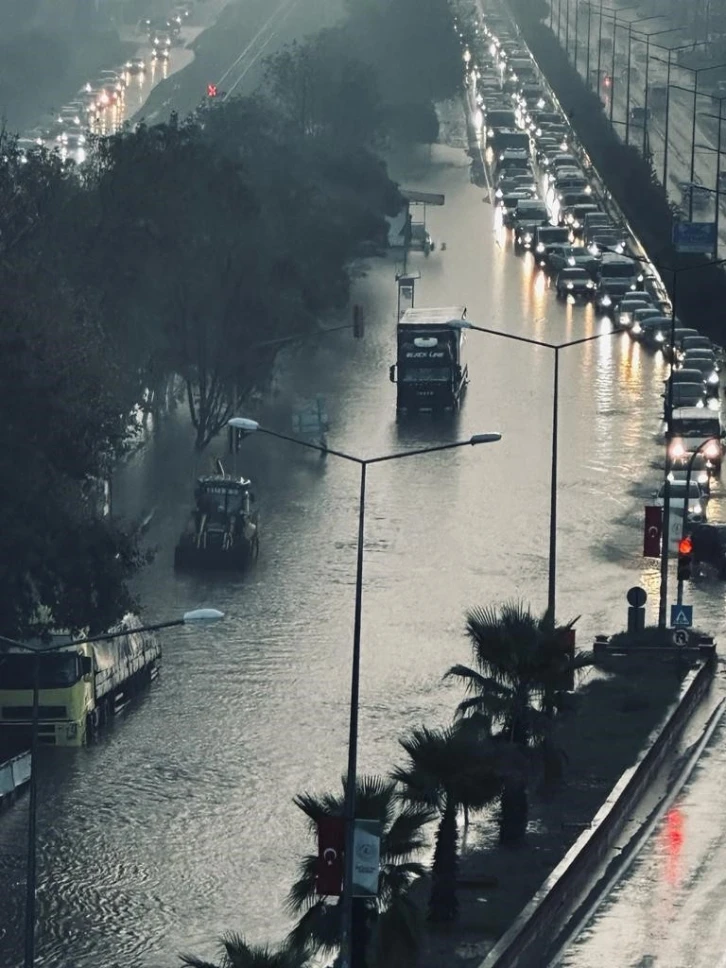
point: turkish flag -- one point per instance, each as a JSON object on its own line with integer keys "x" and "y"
{"x": 653, "y": 532}
{"x": 331, "y": 847}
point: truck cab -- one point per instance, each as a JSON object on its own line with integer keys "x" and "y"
{"x": 429, "y": 372}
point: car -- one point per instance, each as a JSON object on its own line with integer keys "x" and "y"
{"x": 571, "y": 180}
{"x": 160, "y": 53}
{"x": 696, "y": 342}
{"x": 508, "y": 204}
{"x": 497, "y": 119}
{"x": 137, "y": 65}
{"x": 524, "y": 180}
{"x": 707, "y": 370}
{"x": 578, "y": 213}
{"x": 700, "y": 472}
{"x": 695, "y": 500}
{"x": 685, "y": 395}
{"x": 709, "y": 547}
{"x": 640, "y": 316}
{"x": 673, "y": 350}
{"x": 561, "y": 160}
{"x": 572, "y": 257}
{"x": 575, "y": 282}
{"x": 628, "y": 305}
{"x": 529, "y": 214}
{"x": 695, "y": 357}
{"x": 509, "y": 158}
{"x": 695, "y": 430}
{"x": 653, "y": 331}
{"x": 547, "y": 238}
{"x": 604, "y": 241}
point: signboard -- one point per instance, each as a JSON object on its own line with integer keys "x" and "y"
{"x": 680, "y": 637}
{"x": 695, "y": 237}
{"x": 653, "y": 531}
{"x": 331, "y": 849}
{"x": 637, "y": 597}
{"x": 675, "y": 528}
{"x": 366, "y": 857}
{"x": 311, "y": 421}
{"x": 681, "y": 616}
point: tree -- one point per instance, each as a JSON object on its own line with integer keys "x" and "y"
{"x": 237, "y": 953}
{"x": 324, "y": 92}
{"x": 521, "y": 662}
{"x": 391, "y": 921}
{"x": 448, "y": 769}
{"x": 65, "y": 420}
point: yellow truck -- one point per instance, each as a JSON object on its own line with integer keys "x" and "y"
{"x": 80, "y": 686}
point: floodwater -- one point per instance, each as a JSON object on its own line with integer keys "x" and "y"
{"x": 179, "y": 824}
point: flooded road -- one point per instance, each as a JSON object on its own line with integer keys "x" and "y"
{"x": 179, "y": 824}
{"x": 668, "y": 912}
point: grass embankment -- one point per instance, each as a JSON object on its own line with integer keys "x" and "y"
{"x": 620, "y": 703}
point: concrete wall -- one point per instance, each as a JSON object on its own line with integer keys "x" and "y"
{"x": 535, "y": 929}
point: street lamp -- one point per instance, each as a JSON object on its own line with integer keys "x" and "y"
{"x": 348, "y": 955}
{"x": 196, "y": 617}
{"x": 552, "y": 571}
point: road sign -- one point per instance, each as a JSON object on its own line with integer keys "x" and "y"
{"x": 637, "y": 597}
{"x": 681, "y": 616}
{"x": 680, "y": 637}
{"x": 653, "y": 531}
{"x": 697, "y": 237}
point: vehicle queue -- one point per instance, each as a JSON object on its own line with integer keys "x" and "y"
{"x": 545, "y": 191}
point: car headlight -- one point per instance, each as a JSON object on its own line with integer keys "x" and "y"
{"x": 660, "y": 337}
{"x": 678, "y": 449}
{"x": 587, "y": 189}
{"x": 702, "y": 477}
{"x": 569, "y": 218}
{"x": 593, "y": 249}
{"x": 712, "y": 449}
{"x": 540, "y": 247}
{"x": 499, "y": 193}
{"x": 575, "y": 223}
{"x": 636, "y": 328}
{"x": 700, "y": 404}
{"x": 605, "y": 300}
{"x": 640, "y": 277}
{"x": 624, "y": 319}
{"x": 713, "y": 378}
{"x": 570, "y": 260}
{"x": 490, "y": 132}
{"x": 620, "y": 248}
{"x": 590, "y": 284}
{"x": 633, "y": 287}
{"x": 570, "y": 285}
{"x": 541, "y": 104}
{"x": 527, "y": 237}
{"x": 696, "y": 507}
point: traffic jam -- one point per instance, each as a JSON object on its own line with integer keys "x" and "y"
{"x": 546, "y": 193}
{"x": 99, "y": 107}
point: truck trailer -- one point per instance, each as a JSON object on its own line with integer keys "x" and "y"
{"x": 430, "y": 372}
{"x": 80, "y": 686}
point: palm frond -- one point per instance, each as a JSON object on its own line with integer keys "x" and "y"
{"x": 396, "y": 941}
{"x": 301, "y": 895}
{"x": 189, "y": 961}
{"x": 318, "y": 930}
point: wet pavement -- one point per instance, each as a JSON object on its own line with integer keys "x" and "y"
{"x": 668, "y": 912}
{"x": 179, "y": 824}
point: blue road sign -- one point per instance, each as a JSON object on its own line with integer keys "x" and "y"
{"x": 681, "y": 616}
{"x": 697, "y": 237}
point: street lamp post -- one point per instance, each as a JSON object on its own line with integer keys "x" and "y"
{"x": 616, "y": 24}
{"x": 631, "y": 23}
{"x": 198, "y": 616}
{"x": 717, "y": 188}
{"x": 555, "y": 347}
{"x": 349, "y": 957}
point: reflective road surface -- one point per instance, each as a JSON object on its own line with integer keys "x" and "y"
{"x": 179, "y": 823}
{"x": 669, "y": 912}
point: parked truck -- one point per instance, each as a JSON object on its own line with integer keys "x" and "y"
{"x": 80, "y": 686}
{"x": 430, "y": 372}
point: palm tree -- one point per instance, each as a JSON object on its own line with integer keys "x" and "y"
{"x": 448, "y": 769}
{"x": 389, "y": 925}
{"x": 522, "y": 662}
{"x": 236, "y": 953}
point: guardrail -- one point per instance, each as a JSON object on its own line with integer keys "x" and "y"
{"x": 533, "y": 932}
{"x": 14, "y": 774}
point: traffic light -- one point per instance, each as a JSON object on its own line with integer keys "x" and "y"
{"x": 685, "y": 559}
{"x": 211, "y": 90}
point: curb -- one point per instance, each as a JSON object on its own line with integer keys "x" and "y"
{"x": 540, "y": 922}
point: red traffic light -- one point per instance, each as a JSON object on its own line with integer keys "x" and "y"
{"x": 211, "y": 90}
{"x": 685, "y": 546}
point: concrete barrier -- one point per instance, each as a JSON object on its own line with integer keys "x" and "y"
{"x": 539, "y": 923}
{"x": 14, "y": 774}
